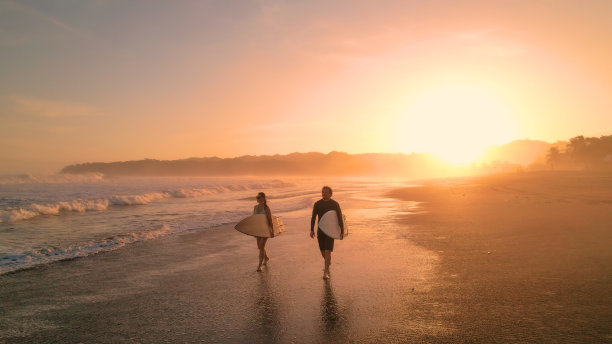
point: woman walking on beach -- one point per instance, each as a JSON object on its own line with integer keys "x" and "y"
{"x": 262, "y": 208}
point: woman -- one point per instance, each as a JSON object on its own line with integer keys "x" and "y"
{"x": 262, "y": 208}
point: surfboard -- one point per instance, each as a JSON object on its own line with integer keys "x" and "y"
{"x": 330, "y": 226}
{"x": 257, "y": 225}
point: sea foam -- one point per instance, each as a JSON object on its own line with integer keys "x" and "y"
{"x": 19, "y": 261}
{"x": 37, "y": 227}
{"x": 12, "y": 214}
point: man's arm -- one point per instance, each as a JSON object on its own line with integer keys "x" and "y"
{"x": 339, "y": 214}
{"x": 340, "y": 219}
{"x": 312, "y": 220}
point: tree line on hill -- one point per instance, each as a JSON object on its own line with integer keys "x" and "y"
{"x": 582, "y": 153}
{"x": 295, "y": 164}
{"x": 579, "y": 153}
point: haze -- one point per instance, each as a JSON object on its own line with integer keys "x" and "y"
{"x": 111, "y": 80}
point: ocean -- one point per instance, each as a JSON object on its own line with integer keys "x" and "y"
{"x": 58, "y": 217}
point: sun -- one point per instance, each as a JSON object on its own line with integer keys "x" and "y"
{"x": 455, "y": 122}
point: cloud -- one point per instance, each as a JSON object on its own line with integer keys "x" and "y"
{"x": 314, "y": 30}
{"x": 47, "y": 18}
{"x": 52, "y": 108}
{"x": 489, "y": 41}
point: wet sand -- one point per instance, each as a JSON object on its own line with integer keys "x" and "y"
{"x": 202, "y": 287}
{"x": 525, "y": 257}
{"x": 514, "y": 258}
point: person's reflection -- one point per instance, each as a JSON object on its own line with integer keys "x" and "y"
{"x": 331, "y": 314}
{"x": 266, "y": 305}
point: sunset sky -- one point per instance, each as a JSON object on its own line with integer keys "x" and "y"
{"x": 100, "y": 80}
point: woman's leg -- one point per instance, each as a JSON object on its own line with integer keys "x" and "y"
{"x": 260, "y": 246}
{"x": 266, "y": 258}
{"x": 265, "y": 253}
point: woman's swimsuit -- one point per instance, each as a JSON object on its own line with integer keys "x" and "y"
{"x": 263, "y": 210}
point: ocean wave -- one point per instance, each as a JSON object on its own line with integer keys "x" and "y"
{"x": 77, "y": 205}
{"x": 13, "y": 214}
{"x": 29, "y": 259}
{"x": 50, "y": 178}
{"x": 284, "y": 196}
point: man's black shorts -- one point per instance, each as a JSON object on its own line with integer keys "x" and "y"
{"x": 325, "y": 242}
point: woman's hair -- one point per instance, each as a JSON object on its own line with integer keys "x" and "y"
{"x": 328, "y": 188}
{"x": 261, "y": 194}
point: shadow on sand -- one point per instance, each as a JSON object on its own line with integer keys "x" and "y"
{"x": 333, "y": 320}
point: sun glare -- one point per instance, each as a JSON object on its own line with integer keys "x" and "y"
{"x": 455, "y": 122}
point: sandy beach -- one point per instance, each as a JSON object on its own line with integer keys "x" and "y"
{"x": 525, "y": 257}
{"x": 518, "y": 258}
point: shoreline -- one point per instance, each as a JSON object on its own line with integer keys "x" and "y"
{"x": 203, "y": 287}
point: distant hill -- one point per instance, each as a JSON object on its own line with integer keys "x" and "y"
{"x": 577, "y": 153}
{"x": 297, "y": 164}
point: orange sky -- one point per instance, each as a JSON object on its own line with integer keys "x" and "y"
{"x": 107, "y": 81}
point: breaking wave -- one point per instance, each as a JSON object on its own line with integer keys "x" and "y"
{"x": 13, "y": 214}
{"x": 20, "y": 261}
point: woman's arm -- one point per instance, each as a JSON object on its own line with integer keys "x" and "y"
{"x": 269, "y": 218}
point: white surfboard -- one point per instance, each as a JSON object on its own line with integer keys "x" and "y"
{"x": 330, "y": 226}
{"x": 257, "y": 225}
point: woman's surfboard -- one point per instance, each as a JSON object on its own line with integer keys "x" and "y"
{"x": 257, "y": 225}
{"x": 330, "y": 226}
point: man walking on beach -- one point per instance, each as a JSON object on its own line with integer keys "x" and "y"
{"x": 326, "y": 244}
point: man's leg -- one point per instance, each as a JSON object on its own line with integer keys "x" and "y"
{"x": 327, "y": 257}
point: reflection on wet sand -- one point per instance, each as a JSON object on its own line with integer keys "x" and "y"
{"x": 267, "y": 318}
{"x": 333, "y": 319}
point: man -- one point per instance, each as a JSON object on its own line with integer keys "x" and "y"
{"x": 326, "y": 244}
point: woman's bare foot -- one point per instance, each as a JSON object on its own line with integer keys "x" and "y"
{"x": 266, "y": 261}
{"x": 259, "y": 269}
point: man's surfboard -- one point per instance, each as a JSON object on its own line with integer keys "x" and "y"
{"x": 330, "y": 226}
{"x": 257, "y": 225}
